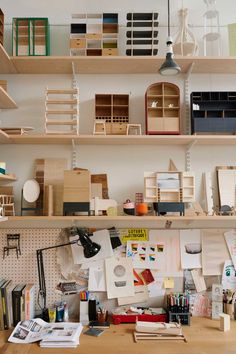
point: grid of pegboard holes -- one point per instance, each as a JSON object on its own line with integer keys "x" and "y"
{"x": 24, "y": 269}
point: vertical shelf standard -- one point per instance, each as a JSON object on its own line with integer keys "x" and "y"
{"x": 162, "y": 109}
{"x": 142, "y": 33}
{"x": 94, "y": 34}
{"x": 1, "y": 27}
{"x": 30, "y": 37}
{"x": 114, "y": 110}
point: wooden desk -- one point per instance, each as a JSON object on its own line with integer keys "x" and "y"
{"x": 203, "y": 337}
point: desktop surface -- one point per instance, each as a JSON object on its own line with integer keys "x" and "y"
{"x": 203, "y": 336}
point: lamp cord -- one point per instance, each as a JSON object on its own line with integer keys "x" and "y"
{"x": 168, "y": 18}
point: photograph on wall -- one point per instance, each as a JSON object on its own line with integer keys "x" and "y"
{"x": 191, "y": 249}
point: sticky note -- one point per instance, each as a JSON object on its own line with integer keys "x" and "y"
{"x": 169, "y": 283}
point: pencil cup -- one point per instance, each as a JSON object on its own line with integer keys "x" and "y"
{"x": 230, "y": 310}
{"x": 102, "y": 316}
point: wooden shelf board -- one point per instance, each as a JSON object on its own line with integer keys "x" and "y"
{"x": 7, "y": 178}
{"x": 5, "y": 100}
{"x": 115, "y": 64}
{"x": 6, "y": 64}
{"x": 118, "y": 139}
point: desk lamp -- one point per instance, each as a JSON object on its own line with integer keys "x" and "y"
{"x": 169, "y": 67}
{"x": 90, "y": 249}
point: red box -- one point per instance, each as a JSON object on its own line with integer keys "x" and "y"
{"x": 117, "y": 319}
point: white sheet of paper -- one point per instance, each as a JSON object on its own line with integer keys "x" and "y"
{"x": 214, "y": 252}
{"x": 191, "y": 249}
{"x": 169, "y": 264}
{"x": 229, "y": 276}
{"x": 141, "y": 295}
{"x": 102, "y": 237}
{"x": 145, "y": 255}
{"x": 97, "y": 280}
{"x": 156, "y": 289}
{"x": 230, "y": 238}
{"x": 199, "y": 280}
{"x": 119, "y": 277}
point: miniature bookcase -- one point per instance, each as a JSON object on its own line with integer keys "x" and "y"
{"x": 62, "y": 111}
{"x": 30, "y": 36}
{"x": 162, "y": 104}
{"x": 94, "y": 34}
{"x": 213, "y": 112}
{"x": 169, "y": 186}
{"x": 142, "y": 33}
{"x": 1, "y": 27}
{"x": 114, "y": 110}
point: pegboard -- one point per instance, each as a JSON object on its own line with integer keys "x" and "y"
{"x": 24, "y": 268}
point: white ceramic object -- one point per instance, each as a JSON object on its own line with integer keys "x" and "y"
{"x": 31, "y": 190}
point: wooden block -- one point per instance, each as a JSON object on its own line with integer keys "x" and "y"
{"x": 48, "y": 201}
{"x": 77, "y": 186}
{"x": 119, "y": 128}
{"x": 224, "y": 322}
{"x": 78, "y": 43}
{"x": 54, "y": 175}
{"x": 101, "y": 178}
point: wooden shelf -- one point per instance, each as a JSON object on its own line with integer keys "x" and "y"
{"x": 66, "y": 139}
{"x": 110, "y": 64}
{"x": 7, "y": 178}
{"x": 122, "y": 221}
{"x": 5, "y": 100}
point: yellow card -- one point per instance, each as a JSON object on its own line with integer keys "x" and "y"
{"x": 133, "y": 235}
{"x": 169, "y": 283}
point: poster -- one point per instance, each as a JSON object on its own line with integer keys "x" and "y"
{"x": 145, "y": 255}
{"x": 133, "y": 235}
{"x": 96, "y": 280}
{"x": 230, "y": 238}
{"x": 229, "y": 276}
{"x": 191, "y": 249}
{"x": 214, "y": 252}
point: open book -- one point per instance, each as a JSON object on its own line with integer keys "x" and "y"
{"x": 61, "y": 334}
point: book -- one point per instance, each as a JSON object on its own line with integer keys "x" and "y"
{"x": 9, "y": 304}
{"x": 16, "y": 303}
{"x": 95, "y": 332}
{"x": 4, "y": 303}
{"x": 61, "y": 335}
{"x": 2, "y": 282}
{"x": 29, "y": 301}
{"x": 96, "y": 324}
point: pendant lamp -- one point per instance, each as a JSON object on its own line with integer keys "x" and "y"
{"x": 169, "y": 67}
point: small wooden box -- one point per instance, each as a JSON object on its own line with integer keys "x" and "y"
{"x": 93, "y": 35}
{"x": 3, "y": 84}
{"x": 78, "y": 43}
{"x": 77, "y": 186}
{"x": 110, "y": 51}
{"x": 119, "y": 128}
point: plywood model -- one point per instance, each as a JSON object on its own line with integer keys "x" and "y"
{"x": 162, "y": 109}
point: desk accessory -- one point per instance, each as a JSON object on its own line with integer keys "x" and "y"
{"x": 158, "y": 331}
{"x": 95, "y": 332}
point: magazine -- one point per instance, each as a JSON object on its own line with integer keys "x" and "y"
{"x": 38, "y": 330}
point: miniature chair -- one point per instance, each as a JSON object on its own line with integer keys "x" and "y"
{"x": 135, "y": 127}
{"x": 99, "y": 127}
{"x": 13, "y": 243}
{"x": 7, "y": 204}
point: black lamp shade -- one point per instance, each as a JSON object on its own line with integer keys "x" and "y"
{"x": 169, "y": 67}
{"x": 90, "y": 248}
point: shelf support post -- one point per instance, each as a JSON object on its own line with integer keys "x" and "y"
{"x": 187, "y": 99}
{"x": 73, "y": 154}
{"x": 188, "y": 155}
{"x": 75, "y": 96}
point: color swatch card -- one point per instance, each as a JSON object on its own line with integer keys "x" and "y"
{"x": 145, "y": 255}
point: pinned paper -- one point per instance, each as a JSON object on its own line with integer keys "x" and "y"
{"x": 169, "y": 283}
{"x": 199, "y": 280}
{"x": 137, "y": 279}
{"x": 141, "y": 295}
{"x": 229, "y": 276}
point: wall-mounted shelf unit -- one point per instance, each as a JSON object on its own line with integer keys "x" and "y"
{"x": 5, "y": 100}
{"x": 94, "y": 34}
{"x": 30, "y": 36}
{"x": 162, "y": 109}
{"x": 184, "y": 140}
{"x": 114, "y": 110}
{"x": 142, "y": 33}
{"x": 213, "y": 112}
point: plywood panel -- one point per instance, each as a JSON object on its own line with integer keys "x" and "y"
{"x": 77, "y": 186}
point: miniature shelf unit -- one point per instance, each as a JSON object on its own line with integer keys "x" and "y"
{"x": 213, "y": 112}
{"x": 1, "y": 27}
{"x": 94, "y": 34}
{"x": 114, "y": 110}
{"x": 62, "y": 111}
{"x": 162, "y": 104}
{"x": 170, "y": 187}
{"x": 142, "y": 34}
{"x": 30, "y": 37}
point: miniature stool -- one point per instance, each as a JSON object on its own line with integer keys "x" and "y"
{"x": 99, "y": 127}
{"x": 13, "y": 243}
{"x": 135, "y": 127}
